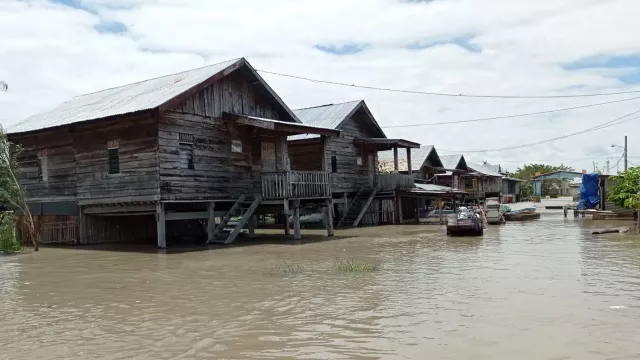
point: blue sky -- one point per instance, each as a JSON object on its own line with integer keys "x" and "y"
{"x": 62, "y": 48}
{"x": 631, "y": 63}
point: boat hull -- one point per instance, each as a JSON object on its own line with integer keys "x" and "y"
{"x": 522, "y": 216}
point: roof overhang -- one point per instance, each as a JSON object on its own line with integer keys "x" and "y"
{"x": 381, "y": 144}
{"x": 278, "y": 125}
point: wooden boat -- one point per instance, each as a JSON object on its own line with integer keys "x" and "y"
{"x": 471, "y": 226}
{"x": 522, "y": 216}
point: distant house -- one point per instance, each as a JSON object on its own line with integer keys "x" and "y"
{"x": 141, "y": 161}
{"x": 365, "y": 195}
{"x": 423, "y": 163}
{"x": 482, "y": 181}
{"x": 455, "y": 166}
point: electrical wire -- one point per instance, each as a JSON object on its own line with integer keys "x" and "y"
{"x": 446, "y": 94}
{"x": 509, "y": 116}
{"x": 607, "y": 124}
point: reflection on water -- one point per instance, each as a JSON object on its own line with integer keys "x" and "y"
{"x": 545, "y": 289}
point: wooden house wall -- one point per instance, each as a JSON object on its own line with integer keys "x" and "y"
{"x": 61, "y": 166}
{"x": 306, "y": 156}
{"x": 351, "y": 176}
{"x": 492, "y": 184}
{"x": 138, "y": 177}
{"x": 219, "y": 173}
{"x": 231, "y": 94}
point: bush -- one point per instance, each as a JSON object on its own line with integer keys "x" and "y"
{"x": 9, "y": 243}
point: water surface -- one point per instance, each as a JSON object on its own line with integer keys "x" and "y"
{"x": 545, "y": 289}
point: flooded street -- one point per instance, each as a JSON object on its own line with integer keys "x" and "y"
{"x": 545, "y": 289}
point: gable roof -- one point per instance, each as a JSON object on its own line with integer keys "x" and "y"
{"x": 484, "y": 170}
{"x": 159, "y": 93}
{"x": 333, "y": 115}
{"x": 454, "y": 162}
{"x": 418, "y": 158}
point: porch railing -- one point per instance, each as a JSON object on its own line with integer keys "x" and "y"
{"x": 63, "y": 232}
{"x": 394, "y": 181}
{"x": 296, "y": 184}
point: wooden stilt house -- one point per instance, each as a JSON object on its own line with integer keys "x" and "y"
{"x": 422, "y": 165}
{"x": 161, "y": 159}
{"x": 363, "y": 194}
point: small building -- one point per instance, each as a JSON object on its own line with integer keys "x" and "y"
{"x": 482, "y": 182}
{"x": 455, "y": 166}
{"x": 364, "y": 194}
{"x": 423, "y": 163}
{"x": 157, "y": 159}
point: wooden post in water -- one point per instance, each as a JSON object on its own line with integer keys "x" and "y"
{"x": 160, "y": 226}
{"x": 417, "y": 211}
{"x": 253, "y": 222}
{"x": 296, "y": 220}
{"x": 82, "y": 236}
{"x": 440, "y": 209}
{"x": 287, "y": 229}
{"x": 328, "y": 213}
{"x": 211, "y": 222}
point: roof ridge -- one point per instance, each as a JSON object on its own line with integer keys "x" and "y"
{"x": 155, "y": 78}
{"x": 325, "y": 105}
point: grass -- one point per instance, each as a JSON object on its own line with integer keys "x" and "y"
{"x": 352, "y": 266}
{"x": 9, "y": 243}
{"x": 284, "y": 269}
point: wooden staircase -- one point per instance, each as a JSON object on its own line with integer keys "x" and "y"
{"x": 238, "y": 208}
{"x": 358, "y": 206}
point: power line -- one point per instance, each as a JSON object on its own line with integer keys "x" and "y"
{"x": 598, "y": 127}
{"x": 447, "y": 94}
{"x": 509, "y": 116}
{"x": 556, "y": 160}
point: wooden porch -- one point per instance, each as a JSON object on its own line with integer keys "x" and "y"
{"x": 296, "y": 185}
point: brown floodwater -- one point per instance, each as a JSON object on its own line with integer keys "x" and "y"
{"x": 545, "y": 289}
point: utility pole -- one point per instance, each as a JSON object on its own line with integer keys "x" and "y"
{"x": 608, "y": 171}
{"x": 625, "y": 153}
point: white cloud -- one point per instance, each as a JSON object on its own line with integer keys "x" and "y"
{"x": 50, "y": 52}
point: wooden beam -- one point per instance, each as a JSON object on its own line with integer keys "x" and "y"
{"x": 296, "y": 220}
{"x": 192, "y": 215}
{"x": 395, "y": 159}
{"x": 400, "y": 215}
{"x": 243, "y": 220}
{"x": 324, "y": 164}
{"x": 409, "y": 169}
{"x": 160, "y": 226}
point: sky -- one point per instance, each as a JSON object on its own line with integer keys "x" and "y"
{"x": 52, "y": 50}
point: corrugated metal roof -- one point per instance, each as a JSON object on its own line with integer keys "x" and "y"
{"x": 433, "y": 187}
{"x": 330, "y": 116}
{"x": 139, "y": 96}
{"x": 327, "y": 116}
{"x": 483, "y": 170}
{"x": 418, "y": 156}
{"x": 450, "y": 161}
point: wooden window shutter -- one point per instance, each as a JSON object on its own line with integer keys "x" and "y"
{"x": 113, "y": 157}
{"x": 186, "y": 151}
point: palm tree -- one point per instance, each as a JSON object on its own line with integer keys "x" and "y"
{"x": 4, "y": 86}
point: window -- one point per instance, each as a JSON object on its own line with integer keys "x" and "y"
{"x": 43, "y": 165}
{"x": 334, "y": 164}
{"x": 359, "y": 160}
{"x": 186, "y": 156}
{"x": 113, "y": 157}
{"x": 236, "y": 146}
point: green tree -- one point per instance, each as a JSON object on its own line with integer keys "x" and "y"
{"x": 4, "y": 86}
{"x": 625, "y": 190}
{"x": 11, "y": 192}
{"x": 527, "y": 173}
